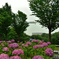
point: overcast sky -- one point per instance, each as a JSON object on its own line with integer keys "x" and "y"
{"x": 23, "y": 5}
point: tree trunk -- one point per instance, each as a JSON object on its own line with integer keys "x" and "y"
{"x": 18, "y": 37}
{"x": 0, "y": 36}
{"x": 6, "y": 37}
{"x": 50, "y": 35}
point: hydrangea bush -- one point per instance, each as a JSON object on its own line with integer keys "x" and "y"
{"x": 34, "y": 49}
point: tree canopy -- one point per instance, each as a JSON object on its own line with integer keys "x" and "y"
{"x": 48, "y": 13}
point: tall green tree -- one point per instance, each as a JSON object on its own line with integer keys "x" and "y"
{"x": 5, "y": 19}
{"x": 8, "y": 9}
{"x": 48, "y": 13}
{"x": 19, "y": 23}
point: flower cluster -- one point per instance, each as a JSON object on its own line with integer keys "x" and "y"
{"x": 37, "y": 57}
{"x": 15, "y": 57}
{"x": 48, "y": 42}
{"x": 41, "y": 42}
{"x": 8, "y": 41}
{"x": 35, "y": 40}
{"x": 13, "y": 45}
{"x": 28, "y": 43}
{"x": 18, "y": 51}
{"x": 5, "y": 49}
{"x": 3, "y": 45}
{"x": 1, "y": 41}
{"x": 45, "y": 44}
{"x": 12, "y": 40}
{"x": 4, "y": 56}
{"x": 49, "y": 52}
{"x": 24, "y": 45}
{"x": 37, "y": 46}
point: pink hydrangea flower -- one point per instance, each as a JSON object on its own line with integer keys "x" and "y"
{"x": 24, "y": 45}
{"x": 35, "y": 46}
{"x": 3, "y": 45}
{"x": 49, "y": 52}
{"x": 4, "y": 56}
{"x": 21, "y": 42}
{"x": 15, "y": 57}
{"x": 8, "y": 41}
{"x": 37, "y": 57}
{"x": 28, "y": 43}
{"x": 1, "y": 41}
{"x": 5, "y": 49}
{"x": 13, "y": 45}
{"x": 18, "y": 41}
{"x": 41, "y": 42}
{"x": 35, "y": 40}
{"x": 45, "y": 44}
{"x": 18, "y": 51}
{"x": 48, "y": 42}
{"x": 41, "y": 46}
{"x": 12, "y": 40}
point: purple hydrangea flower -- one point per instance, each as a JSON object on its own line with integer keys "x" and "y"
{"x": 35, "y": 46}
{"x": 18, "y": 41}
{"x": 41, "y": 46}
{"x": 35, "y": 40}
{"x": 48, "y": 42}
{"x": 45, "y": 44}
{"x": 24, "y": 45}
{"x": 5, "y": 49}
{"x": 12, "y": 40}
{"x": 41, "y": 42}
{"x": 28, "y": 43}
{"x": 4, "y": 56}
{"x": 3, "y": 45}
{"x": 1, "y": 41}
{"x": 18, "y": 51}
{"x": 13, "y": 45}
{"x": 8, "y": 41}
{"x": 37, "y": 57}
{"x": 15, "y": 57}
{"x": 21, "y": 42}
{"x": 49, "y": 52}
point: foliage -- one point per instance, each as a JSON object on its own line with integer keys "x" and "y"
{"x": 36, "y": 37}
{"x": 55, "y": 38}
{"x": 12, "y": 34}
{"x": 24, "y": 37}
{"x": 19, "y": 23}
{"x": 45, "y": 35}
{"x": 5, "y": 19}
{"x": 48, "y": 13}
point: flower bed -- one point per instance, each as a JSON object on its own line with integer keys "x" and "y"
{"x": 29, "y": 50}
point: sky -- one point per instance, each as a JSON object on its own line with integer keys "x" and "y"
{"x": 23, "y": 5}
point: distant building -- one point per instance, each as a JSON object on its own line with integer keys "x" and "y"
{"x": 31, "y": 21}
{"x": 37, "y": 33}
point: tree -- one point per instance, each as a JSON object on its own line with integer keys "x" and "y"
{"x": 12, "y": 34}
{"x": 48, "y": 13}
{"x": 19, "y": 23}
{"x": 5, "y": 19}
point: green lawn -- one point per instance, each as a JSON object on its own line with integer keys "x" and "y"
{"x": 56, "y": 48}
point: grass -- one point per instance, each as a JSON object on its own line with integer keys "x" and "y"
{"x": 56, "y": 48}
